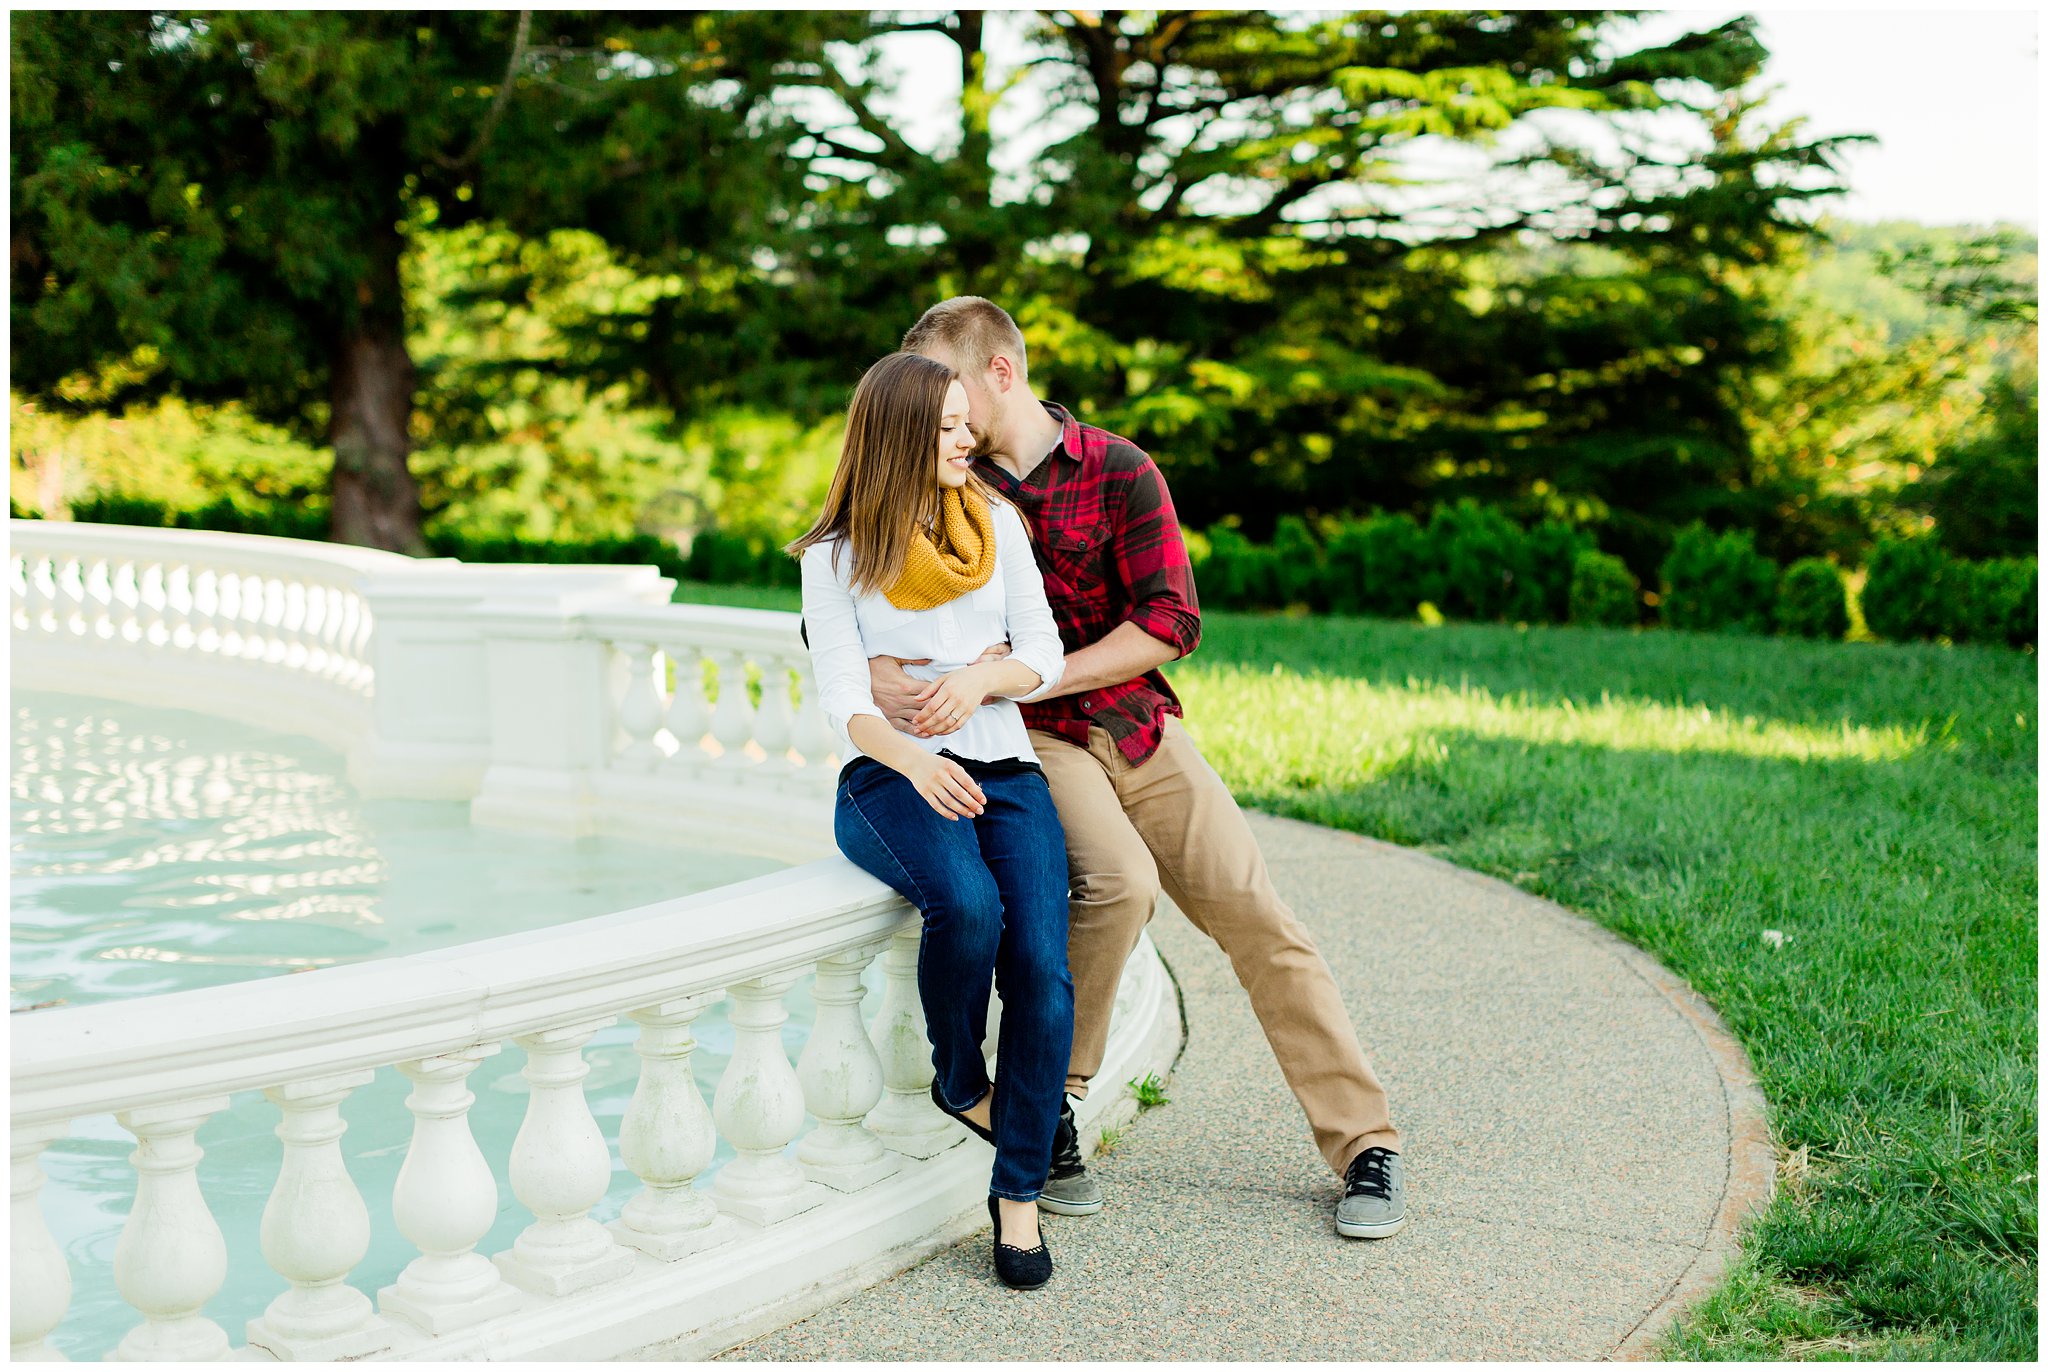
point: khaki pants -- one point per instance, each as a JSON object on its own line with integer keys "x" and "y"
{"x": 1171, "y": 824}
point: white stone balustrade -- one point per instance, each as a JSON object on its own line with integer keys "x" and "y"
{"x": 759, "y": 1107}
{"x": 315, "y": 1230}
{"x": 445, "y": 1201}
{"x": 171, "y": 1259}
{"x": 668, "y": 1139}
{"x": 842, "y": 1079}
{"x": 542, "y": 696}
{"x": 39, "y": 1280}
{"x": 560, "y": 1168}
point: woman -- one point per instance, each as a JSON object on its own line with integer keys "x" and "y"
{"x": 915, "y": 557}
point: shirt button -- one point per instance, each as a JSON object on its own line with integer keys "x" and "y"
{"x": 1087, "y": 704}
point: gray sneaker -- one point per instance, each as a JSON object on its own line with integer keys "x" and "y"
{"x": 1375, "y": 1205}
{"x": 1069, "y": 1190}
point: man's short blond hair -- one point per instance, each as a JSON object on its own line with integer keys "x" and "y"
{"x": 969, "y": 331}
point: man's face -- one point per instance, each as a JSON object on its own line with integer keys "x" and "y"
{"x": 984, "y": 411}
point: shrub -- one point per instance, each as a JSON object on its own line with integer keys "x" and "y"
{"x": 1299, "y": 565}
{"x": 1603, "y": 591}
{"x": 1812, "y": 601}
{"x": 1550, "y": 564}
{"x": 1992, "y": 601}
{"x": 1375, "y": 566}
{"x": 15, "y": 510}
{"x": 1474, "y": 562}
{"x": 1239, "y": 574}
{"x": 1718, "y": 582}
{"x": 1902, "y": 592}
{"x": 113, "y": 508}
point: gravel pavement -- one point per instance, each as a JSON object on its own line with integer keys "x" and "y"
{"x": 1582, "y": 1138}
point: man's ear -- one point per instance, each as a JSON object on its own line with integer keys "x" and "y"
{"x": 1005, "y": 373}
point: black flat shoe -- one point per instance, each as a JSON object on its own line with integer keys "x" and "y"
{"x": 1019, "y": 1268}
{"x": 979, "y": 1132}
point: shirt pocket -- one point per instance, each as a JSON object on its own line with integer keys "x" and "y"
{"x": 1075, "y": 557}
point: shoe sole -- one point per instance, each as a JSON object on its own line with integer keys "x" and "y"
{"x": 1383, "y": 1230}
{"x": 1060, "y": 1207}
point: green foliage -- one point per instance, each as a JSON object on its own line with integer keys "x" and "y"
{"x": 1238, "y": 573}
{"x": 1149, "y": 1092}
{"x": 1902, "y": 589}
{"x": 1603, "y": 591}
{"x": 1376, "y": 566}
{"x": 1718, "y": 582}
{"x": 1812, "y": 600}
{"x": 1984, "y": 493}
{"x": 1477, "y": 562}
{"x": 1300, "y": 570}
{"x": 1990, "y": 601}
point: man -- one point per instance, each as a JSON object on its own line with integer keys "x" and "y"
{"x": 1142, "y": 809}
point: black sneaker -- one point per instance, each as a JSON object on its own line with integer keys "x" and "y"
{"x": 1375, "y": 1203}
{"x": 1069, "y": 1190}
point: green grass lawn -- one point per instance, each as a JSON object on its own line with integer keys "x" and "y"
{"x": 1873, "y": 804}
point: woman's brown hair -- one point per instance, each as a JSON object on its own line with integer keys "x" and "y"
{"x": 886, "y": 485}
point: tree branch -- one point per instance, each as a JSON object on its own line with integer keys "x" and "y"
{"x": 498, "y": 101}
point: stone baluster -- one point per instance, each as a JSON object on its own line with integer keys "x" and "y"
{"x": 37, "y": 603}
{"x": 445, "y": 1202}
{"x": 689, "y": 718}
{"x": 124, "y": 577}
{"x": 814, "y": 736}
{"x": 203, "y": 585}
{"x": 291, "y": 624}
{"x": 269, "y": 619}
{"x": 560, "y": 1168}
{"x": 315, "y": 1230}
{"x": 227, "y": 607}
{"x": 361, "y": 623}
{"x": 170, "y": 1260}
{"x": 906, "y": 1120}
{"x": 667, "y": 1139}
{"x": 176, "y": 616}
{"x": 775, "y": 721}
{"x": 319, "y": 623}
{"x": 96, "y": 577}
{"x": 732, "y": 723}
{"x": 759, "y": 1106}
{"x": 39, "y": 1280}
{"x": 842, "y": 1080}
{"x": 639, "y": 709}
{"x": 64, "y": 613}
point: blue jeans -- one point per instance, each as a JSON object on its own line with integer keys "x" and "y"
{"x": 993, "y": 892}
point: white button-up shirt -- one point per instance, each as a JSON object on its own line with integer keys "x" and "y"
{"x": 846, "y": 630}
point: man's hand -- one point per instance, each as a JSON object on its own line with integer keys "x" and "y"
{"x": 896, "y": 690}
{"x": 901, "y": 696}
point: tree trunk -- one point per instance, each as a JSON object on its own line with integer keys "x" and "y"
{"x": 375, "y": 501}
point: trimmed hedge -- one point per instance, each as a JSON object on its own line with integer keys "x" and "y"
{"x": 1471, "y": 561}
{"x": 1603, "y": 591}
{"x": 1812, "y": 601}
{"x": 1718, "y": 582}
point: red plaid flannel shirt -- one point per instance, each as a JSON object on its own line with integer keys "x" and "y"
{"x": 1109, "y": 545}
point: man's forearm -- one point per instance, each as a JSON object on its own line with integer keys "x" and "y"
{"x": 1123, "y": 654}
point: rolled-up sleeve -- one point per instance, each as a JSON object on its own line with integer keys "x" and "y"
{"x": 838, "y": 661}
{"x": 1152, "y": 560}
{"x": 1034, "y": 636}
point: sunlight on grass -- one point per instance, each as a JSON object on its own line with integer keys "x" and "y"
{"x": 1343, "y": 730}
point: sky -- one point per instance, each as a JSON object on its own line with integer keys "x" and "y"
{"x": 1953, "y": 96}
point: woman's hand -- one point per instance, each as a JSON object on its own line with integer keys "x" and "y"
{"x": 946, "y": 786}
{"x": 947, "y": 702}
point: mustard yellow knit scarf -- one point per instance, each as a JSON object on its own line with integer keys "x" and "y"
{"x": 962, "y": 560}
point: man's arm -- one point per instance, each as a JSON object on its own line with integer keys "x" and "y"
{"x": 1123, "y": 654}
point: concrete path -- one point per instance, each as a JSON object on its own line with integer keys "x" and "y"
{"x": 1582, "y": 1139}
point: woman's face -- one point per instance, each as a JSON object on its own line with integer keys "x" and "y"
{"x": 956, "y": 440}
